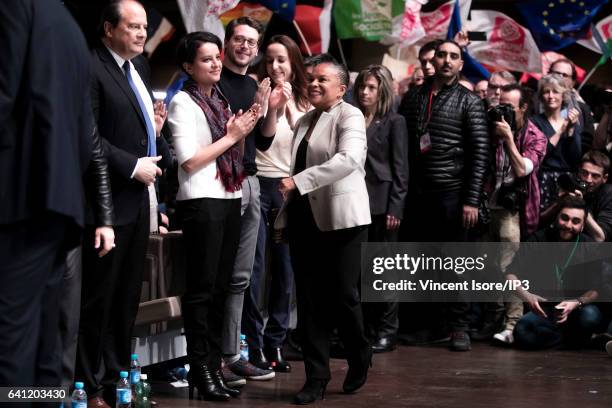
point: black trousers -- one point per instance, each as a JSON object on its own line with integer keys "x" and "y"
{"x": 440, "y": 216}
{"x": 69, "y": 309}
{"x": 211, "y": 233}
{"x": 381, "y": 318}
{"x": 32, "y": 255}
{"x": 327, "y": 273}
{"x": 109, "y": 304}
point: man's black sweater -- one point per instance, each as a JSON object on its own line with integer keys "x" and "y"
{"x": 240, "y": 92}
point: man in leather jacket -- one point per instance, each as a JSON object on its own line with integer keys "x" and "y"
{"x": 99, "y": 197}
{"x": 447, "y": 126}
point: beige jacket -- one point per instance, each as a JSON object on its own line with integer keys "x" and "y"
{"x": 334, "y": 174}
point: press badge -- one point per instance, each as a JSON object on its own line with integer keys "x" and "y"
{"x": 425, "y": 142}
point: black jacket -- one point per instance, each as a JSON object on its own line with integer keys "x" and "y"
{"x": 459, "y": 154}
{"x": 45, "y": 113}
{"x": 600, "y": 205}
{"x": 123, "y": 133}
{"x": 387, "y": 165}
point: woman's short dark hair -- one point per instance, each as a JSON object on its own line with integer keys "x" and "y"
{"x": 188, "y": 46}
{"x": 244, "y": 20}
{"x": 385, "y": 88}
{"x": 343, "y": 74}
{"x": 298, "y": 81}
{"x": 111, "y": 14}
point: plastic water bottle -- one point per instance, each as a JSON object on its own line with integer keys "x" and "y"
{"x": 244, "y": 348}
{"x": 124, "y": 391}
{"x": 134, "y": 369}
{"x": 79, "y": 397}
{"x": 142, "y": 391}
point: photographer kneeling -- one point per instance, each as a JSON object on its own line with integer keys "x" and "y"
{"x": 590, "y": 184}
{"x": 514, "y": 194}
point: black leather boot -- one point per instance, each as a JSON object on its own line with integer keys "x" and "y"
{"x": 358, "y": 371}
{"x": 218, "y": 377}
{"x": 275, "y": 356}
{"x": 200, "y": 377}
{"x": 259, "y": 360}
{"x": 310, "y": 392}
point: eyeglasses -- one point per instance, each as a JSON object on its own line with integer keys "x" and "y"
{"x": 239, "y": 40}
{"x": 563, "y": 74}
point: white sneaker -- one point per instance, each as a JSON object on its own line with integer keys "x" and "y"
{"x": 609, "y": 347}
{"x": 505, "y": 337}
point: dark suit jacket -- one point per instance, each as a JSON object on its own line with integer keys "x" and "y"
{"x": 387, "y": 165}
{"x": 45, "y": 111}
{"x": 123, "y": 130}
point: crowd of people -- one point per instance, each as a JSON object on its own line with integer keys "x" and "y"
{"x": 279, "y": 175}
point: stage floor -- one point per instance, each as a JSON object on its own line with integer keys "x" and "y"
{"x": 424, "y": 377}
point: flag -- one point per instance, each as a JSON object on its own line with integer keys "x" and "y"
{"x": 369, "y": 19}
{"x": 203, "y": 15}
{"x": 160, "y": 33}
{"x": 436, "y": 23}
{"x": 407, "y": 28}
{"x": 558, "y": 23}
{"x": 284, "y": 8}
{"x": 314, "y": 20}
{"x": 471, "y": 68}
{"x": 598, "y": 35}
{"x": 509, "y": 46}
{"x": 607, "y": 52}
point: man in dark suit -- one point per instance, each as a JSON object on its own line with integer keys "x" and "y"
{"x": 45, "y": 144}
{"x": 130, "y": 127}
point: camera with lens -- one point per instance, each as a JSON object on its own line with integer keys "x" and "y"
{"x": 505, "y": 111}
{"x": 511, "y": 197}
{"x": 571, "y": 183}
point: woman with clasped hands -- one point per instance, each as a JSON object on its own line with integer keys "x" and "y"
{"x": 327, "y": 212}
{"x": 209, "y": 142}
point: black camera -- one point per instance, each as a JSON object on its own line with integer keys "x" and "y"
{"x": 511, "y": 197}
{"x": 571, "y": 183}
{"x": 503, "y": 110}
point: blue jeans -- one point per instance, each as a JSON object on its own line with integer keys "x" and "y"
{"x": 277, "y": 301}
{"x": 535, "y": 333}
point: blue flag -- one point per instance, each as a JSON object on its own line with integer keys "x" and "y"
{"x": 472, "y": 69}
{"x": 284, "y": 8}
{"x": 558, "y": 23}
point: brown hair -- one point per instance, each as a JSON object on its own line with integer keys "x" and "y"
{"x": 385, "y": 88}
{"x": 598, "y": 159}
{"x": 298, "y": 80}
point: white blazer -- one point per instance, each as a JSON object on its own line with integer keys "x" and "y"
{"x": 334, "y": 178}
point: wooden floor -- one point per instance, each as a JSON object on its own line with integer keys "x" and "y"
{"x": 424, "y": 377}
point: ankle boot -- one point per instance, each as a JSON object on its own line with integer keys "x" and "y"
{"x": 275, "y": 356}
{"x": 310, "y": 392}
{"x": 200, "y": 377}
{"x": 218, "y": 377}
{"x": 358, "y": 372}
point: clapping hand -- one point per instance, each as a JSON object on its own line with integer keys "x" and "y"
{"x": 241, "y": 124}
{"x": 279, "y": 96}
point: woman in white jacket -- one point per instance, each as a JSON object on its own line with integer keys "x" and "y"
{"x": 327, "y": 213}
{"x": 208, "y": 142}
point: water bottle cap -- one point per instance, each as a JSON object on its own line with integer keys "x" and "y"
{"x": 242, "y": 337}
{"x": 143, "y": 376}
{"x": 134, "y": 356}
{"x": 123, "y": 374}
{"x": 78, "y": 385}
